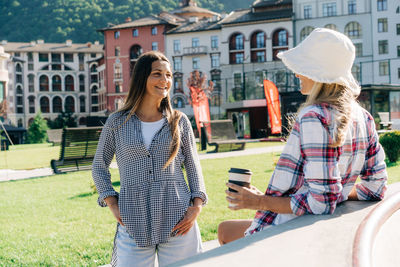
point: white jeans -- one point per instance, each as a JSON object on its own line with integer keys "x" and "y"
{"x": 177, "y": 248}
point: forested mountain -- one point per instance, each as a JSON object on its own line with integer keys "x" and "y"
{"x": 78, "y": 20}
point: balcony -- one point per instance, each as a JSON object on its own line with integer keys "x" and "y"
{"x": 198, "y": 50}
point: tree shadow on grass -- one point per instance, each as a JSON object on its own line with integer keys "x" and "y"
{"x": 88, "y": 194}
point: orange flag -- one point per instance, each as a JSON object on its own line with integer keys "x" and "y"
{"x": 274, "y": 107}
{"x": 201, "y": 109}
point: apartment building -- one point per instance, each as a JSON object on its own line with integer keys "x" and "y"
{"x": 51, "y": 77}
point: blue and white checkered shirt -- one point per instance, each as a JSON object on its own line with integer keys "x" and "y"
{"x": 152, "y": 200}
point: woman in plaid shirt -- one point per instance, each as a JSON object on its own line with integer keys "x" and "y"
{"x": 333, "y": 142}
{"x": 155, "y": 209}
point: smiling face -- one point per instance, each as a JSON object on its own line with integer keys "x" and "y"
{"x": 306, "y": 84}
{"x": 159, "y": 81}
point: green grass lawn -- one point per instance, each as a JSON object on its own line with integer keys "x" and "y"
{"x": 26, "y": 157}
{"x": 55, "y": 221}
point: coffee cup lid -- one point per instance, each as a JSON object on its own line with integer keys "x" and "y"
{"x": 241, "y": 171}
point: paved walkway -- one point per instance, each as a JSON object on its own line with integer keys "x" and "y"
{"x": 9, "y": 175}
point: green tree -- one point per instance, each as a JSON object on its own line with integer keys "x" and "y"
{"x": 37, "y": 130}
{"x": 63, "y": 120}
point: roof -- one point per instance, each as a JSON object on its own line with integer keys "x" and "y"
{"x": 193, "y": 9}
{"x": 269, "y": 3}
{"x": 202, "y": 25}
{"x": 52, "y": 47}
{"x": 10, "y": 128}
{"x": 245, "y": 15}
{"x": 145, "y": 21}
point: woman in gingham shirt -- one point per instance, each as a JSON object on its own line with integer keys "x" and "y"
{"x": 333, "y": 142}
{"x": 156, "y": 210}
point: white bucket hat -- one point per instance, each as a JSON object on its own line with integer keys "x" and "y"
{"x": 325, "y": 56}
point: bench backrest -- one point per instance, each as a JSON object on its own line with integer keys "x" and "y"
{"x": 220, "y": 130}
{"x": 54, "y": 135}
{"x": 79, "y": 143}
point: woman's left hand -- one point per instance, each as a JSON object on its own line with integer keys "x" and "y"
{"x": 244, "y": 198}
{"x": 188, "y": 220}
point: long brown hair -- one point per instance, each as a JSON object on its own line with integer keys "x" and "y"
{"x": 136, "y": 93}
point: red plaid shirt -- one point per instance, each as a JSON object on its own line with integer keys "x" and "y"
{"x": 317, "y": 177}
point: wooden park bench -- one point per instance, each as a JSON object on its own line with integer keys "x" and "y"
{"x": 221, "y": 134}
{"x": 54, "y": 136}
{"x": 78, "y": 148}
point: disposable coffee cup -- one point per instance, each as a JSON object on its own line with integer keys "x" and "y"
{"x": 241, "y": 177}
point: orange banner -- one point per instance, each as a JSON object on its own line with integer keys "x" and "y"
{"x": 201, "y": 109}
{"x": 274, "y": 107}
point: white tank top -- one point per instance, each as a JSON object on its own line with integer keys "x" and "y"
{"x": 149, "y": 129}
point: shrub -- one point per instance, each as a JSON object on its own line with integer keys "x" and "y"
{"x": 37, "y": 130}
{"x": 391, "y": 144}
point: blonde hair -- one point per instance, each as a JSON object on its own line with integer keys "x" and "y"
{"x": 342, "y": 99}
{"x": 136, "y": 93}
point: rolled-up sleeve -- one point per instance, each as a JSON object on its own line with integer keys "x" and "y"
{"x": 101, "y": 162}
{"x": 321, "y": 170}
{"x": 373, "y": 175}
{"x": 192, "y": 162}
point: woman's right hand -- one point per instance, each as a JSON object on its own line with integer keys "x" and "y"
{"x": 112, "y": 203}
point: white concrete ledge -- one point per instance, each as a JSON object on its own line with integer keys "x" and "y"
{"x": 310, "y": 240}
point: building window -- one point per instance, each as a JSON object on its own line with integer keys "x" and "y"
{"x": 331, "y": 26}
{"x": 43, "y": 57}
{"x": 135, "y": 52}
{"x": 93, "y": 55}
{"x": 82, "y": 104}
{"x": 178, "y": 83}
{"x": 56, "y": 83}
{"x": 154, "y": 46}
{"x": 215, "y": 100}
{"x": 31, "y": 83}
{"x": 351, "y": 7}
{"x": 30, "y": 66}
{"x": 43, "y": 83}
{"x": 383, "y": 47}
{"x": 135, "y": 32}
{"x": 398, "y": 51}
{"x": 195, "y": 42}
{"x": 69, "y": 83}
{"x": 329, "y": 9}
{"x": 237, "y": 84}
{"x": 93, "y": 78}
{"x": 116, "y": 34}
{"x": 69, "y": 104}
{"x": 305, "y": 32}
{"x": 260, "y": 56}
{"x": 95, "y": 100}
{"x": 18, "y": 68}
{"x": 44, "y": 105}
{"x": 57, "y": 104}
{"x": 118, "y": 87}
{"x": 359, "y": 49}
{"x": 177, "y": 63}
{"x": 82, "y": 83}
{"x": 178, "y": 102}
{"x": 398, "y": 29}
{"x": 31, "y": 100}
{"x": 353, "y": 30}
{"x": 355, "y": 70}
{"x": 55, "y": 66}
{"x": 214, "y": 60}
{"x": 81, "y": 58}
{"x": 382, "y": 25}
{"x": 68, "y": 57}
{"x": 383, "y": 68}
{"x": 279, "y": 42}
{"x": 260, "y": 40}
{"x": 307, "y": 12}
{"x": 398, "y": 73}
{"x": 154, "y": 31}
{"x": 117, "y": 51}
{"x": 177, "y": 46}
{"x": 257, "y": 45}
{"x": 55, "y": 57}
{"x": 30, "y": 57}
{"x": 214, "y": 42}
{"x": 117, "y": 71}
{"x": 94, "y": 90}
{"x": 382, "y": 5}
{"x": 236, "y": 42}
{"x": 196, "y": 63}
{"x": 216, "y": 79}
